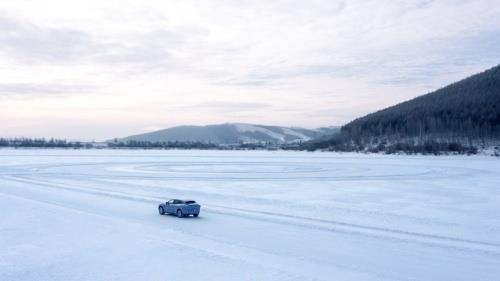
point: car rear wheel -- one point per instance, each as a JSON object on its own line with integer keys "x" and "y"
{"x": 179, "y": 214}
{"x": 161, "y": 211}
{"x": 195, "y": 215}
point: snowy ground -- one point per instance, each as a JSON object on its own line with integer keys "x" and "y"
{"x": 92, "y": 215}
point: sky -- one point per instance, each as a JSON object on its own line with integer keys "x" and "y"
{"x": 94, "y": 70}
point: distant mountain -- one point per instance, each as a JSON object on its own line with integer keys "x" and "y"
{"x": 468, "y": 109}
{"x": 233, "y": 133}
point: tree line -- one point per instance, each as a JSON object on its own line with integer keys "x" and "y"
{"x": 129, "y": 144}
{"x": 40, "y": 143}
{"x": 188, "y": 145}
{"x": 161, "y": 145}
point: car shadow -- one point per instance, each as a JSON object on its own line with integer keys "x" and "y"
{"x": 185, "y": 217}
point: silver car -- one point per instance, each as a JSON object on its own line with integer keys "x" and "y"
{"x": 181, "y": 208}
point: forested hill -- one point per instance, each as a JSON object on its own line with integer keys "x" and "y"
{"x": 465, "y": 111}
{"x": 232, "y": 133}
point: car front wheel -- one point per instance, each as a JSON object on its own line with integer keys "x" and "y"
{"x": 179, "y": 214}
{"x": 161, "y": 211}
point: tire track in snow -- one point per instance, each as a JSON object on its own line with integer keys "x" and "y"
{"x": 156, "y": 188}
{"x": 431, "y": 240}
{"x": 231, "y": 252}
{"x": 241, "y": 175}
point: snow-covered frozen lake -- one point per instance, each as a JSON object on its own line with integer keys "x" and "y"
{"x": 92, "y": 215}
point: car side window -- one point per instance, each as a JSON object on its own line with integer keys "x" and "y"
{"x": 170, "y": 202}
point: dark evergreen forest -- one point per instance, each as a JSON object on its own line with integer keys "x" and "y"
{"x": 457, "y": 117}
{"x": 468, "y": 109}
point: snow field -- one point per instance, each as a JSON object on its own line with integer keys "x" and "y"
{"x": 91, "y": 215}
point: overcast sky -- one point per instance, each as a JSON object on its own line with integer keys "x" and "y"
{"x": 99, "y": 69}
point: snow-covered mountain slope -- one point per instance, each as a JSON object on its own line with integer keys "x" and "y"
{"x": 84, "y": 215}
{"x": 233, "y": 133}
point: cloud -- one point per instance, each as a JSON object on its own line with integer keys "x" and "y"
{"x": 228, "y": 107}
{"x": 30, "y": 89}
{"x": 308, "y": 63}
{"x": 149, "y": 50}
{"x": 29, "y": 43}
{"x": 384, "y": 42}
{"x": 420, "y": 63}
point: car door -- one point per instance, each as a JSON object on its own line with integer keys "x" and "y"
{"x": 170, "y": 206}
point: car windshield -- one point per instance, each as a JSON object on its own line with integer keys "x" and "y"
{"x": 190, "y": 202}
